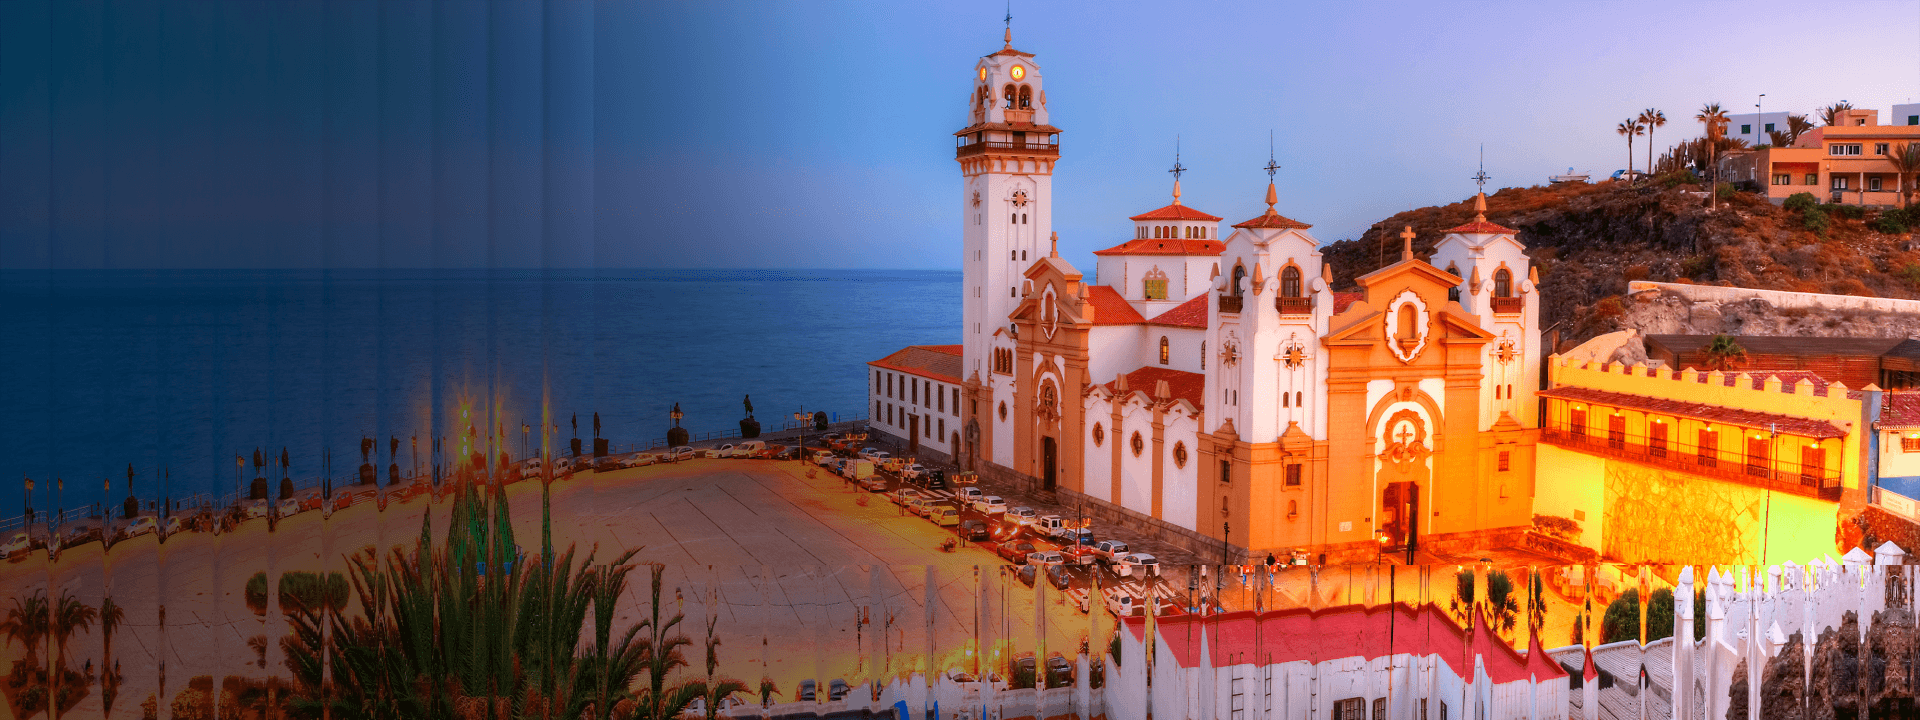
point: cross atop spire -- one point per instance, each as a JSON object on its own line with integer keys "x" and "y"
{"x": 1480, "y": 178}
{"x": 1009, "y": 24}
{"x": 1177, "y": 169}
{"x": 1406, "y": 243}
{"x": 1273, "y": 194}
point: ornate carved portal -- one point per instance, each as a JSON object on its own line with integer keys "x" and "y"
{"x": 1404, "y": 468}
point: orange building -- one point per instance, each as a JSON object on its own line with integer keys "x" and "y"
{"x": 1847, "y": 162}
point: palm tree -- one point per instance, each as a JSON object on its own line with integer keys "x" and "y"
{"x": 1651, "y": 118}
{"x": 1500, "y": 606}
{"x": 28, "y": 622}
{"x": 657, "y": 701}
{"x": 111, "y": 615}
{"x": 1716, "y": 121}
{"x": 717, "y": 689}
{"x": 1831, "y": 113}
{"x": 1630, "y": 128}
{"x": 1796, "y": 126}
{"x": 1724, "y": 354}
{"x": 1906, "y": 160}
{"x": 71, "y": 617}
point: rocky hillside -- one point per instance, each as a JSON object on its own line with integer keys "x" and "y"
{"x": 1589, "y": 240}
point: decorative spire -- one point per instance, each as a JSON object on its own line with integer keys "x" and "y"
{"x": 1056, "y": 245}
{"x": 1480, "y": 178}
{"x": 1009, "y": 36}
{"x": 1273, "y": 195}
{"x": 1406, "y": 243}
{"x": 1177, "y": 169}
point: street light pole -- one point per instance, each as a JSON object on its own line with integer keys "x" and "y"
{"x": 800, "y": 419}
{"x": 1760, "y": 125}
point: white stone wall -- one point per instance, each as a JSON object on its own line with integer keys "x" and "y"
{"x": 938, "y": 411}
{"x": 1180, "y": 486}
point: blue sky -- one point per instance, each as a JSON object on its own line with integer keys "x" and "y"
{"x": 817, "y": 134}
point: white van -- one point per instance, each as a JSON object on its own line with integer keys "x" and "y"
{"x": 747, "y": 449}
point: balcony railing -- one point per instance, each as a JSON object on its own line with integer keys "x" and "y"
{"x": 1293, "y": 305}
{"x": 1815, "y": 481}
{"x": 1029, "y": 148}
{"x": 1231, "y": 303}
{"x": 1507, "y": 305}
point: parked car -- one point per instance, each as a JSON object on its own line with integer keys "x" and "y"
{"x": 683, "y": 452}
{"x": 968, "y": 494}
{"x": 934, "y": 479}
{"x": 1046, "y": 525}
{"x": 1016, "y": 553}
{"x": 824, "y": 458}
{"x": 603, "y": 464}
{"x": 805, "y": 694}
{"x": 1059, "y": 672}
{"x": 1073, "y": 536}
{"x": 289, "y": 507}
{"x": 531, "y": 466}
{"x": 1078, "y": 555}
{"x": 637, "y": 460}
{"x": 140, "y": 526}
{"x": 173, "y": 525}
{"x": 837, "y": 690}
{"x": 880, "y": 457}
{"x": 1142, "y": 563}
{"x": 920, "y": 506}
{"x": 1045, "y": 557}
{"x": 867, "y": 453}
{"x": 19, "y": 545}
{"x": 745, "y": 449}
{"x": 1109, "y": 550}
{"x": 990, "y": 505}
{"x": 874, "y": 484}
{"x": 903, "y": 495}
{"x": 975, "y": 530}
{"x": 1022, "y": 516}
{"x": 1028, "y": 574}
{"x": 311, "y": 502}
{"x": 944, "y": 514}
{"x": 258, "y": 508}
{"x": 1058, "y": 577}
{"x": 913, "y": 472}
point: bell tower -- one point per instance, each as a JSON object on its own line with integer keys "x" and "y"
{"x": 1006, "y": 155}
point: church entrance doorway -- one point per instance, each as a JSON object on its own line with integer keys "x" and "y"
{"x": 1399, "y": 512}
{"x": 1049, "y": 461}
{"x": 913, "y": 434}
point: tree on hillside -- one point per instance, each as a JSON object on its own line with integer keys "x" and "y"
{"x": 1651, "y": 118}
{"x": 1906, "y": 160}
{"x": 1724, "y": 354}
{"x": 1831, "y": 113}
{"x": 1631, "y": 127}
{"x": 1797, "y": 125}
{"x": 1716, "y": 121}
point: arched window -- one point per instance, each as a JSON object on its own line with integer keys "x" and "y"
{"x": 1026, "y": 97}
{"x": 1012, "y": 96}
{"x": 1290, "y": 282}
{"x": 1239, "y": 274}
{"x": 1502, "y": 283}
{"x": 1165, "y": 350}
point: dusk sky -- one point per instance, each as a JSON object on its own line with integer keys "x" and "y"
{"x": 818, "y": 135}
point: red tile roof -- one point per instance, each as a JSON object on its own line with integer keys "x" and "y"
{"x": 1175, "y": 211}
{"x": 1274, "y": 220}
{"x": 935, "y": 362}
{"x": 1804, "y": 427}
{"x": 1106, "y": 307}
{"x": 1181, "y": 385}
{"x": 1900, "y": 410}
{"x": 1192, "y": 313}
{"x": 1165, "y": 246}
{"x": 1482, "y": 226}
{"x": 1342, "y": 300}
{"x": 1302, "y": 635}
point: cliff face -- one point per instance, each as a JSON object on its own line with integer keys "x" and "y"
{"x": 1589, "y": 240}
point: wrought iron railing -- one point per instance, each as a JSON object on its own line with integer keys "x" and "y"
{"x": 980, "y": 148}
{"x": 1231, "y": 303}
{"x": 1507, "y": 305}
{"x": 1293, "y": 305}
{"x": 1810, "y": 480}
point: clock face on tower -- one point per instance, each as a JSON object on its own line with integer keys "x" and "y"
{"x": 1019, "y": 72}
{"x": 983, "y": 73}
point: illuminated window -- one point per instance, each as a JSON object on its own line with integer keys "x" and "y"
{"x": 1165, "y": 350}
{"x": 1154, "y": 285}
{"x": 1910, "y": 444}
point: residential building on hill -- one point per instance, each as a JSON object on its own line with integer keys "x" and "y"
{"x": 1846, "y": 162}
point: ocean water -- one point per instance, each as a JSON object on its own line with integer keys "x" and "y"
{"x": 174, "y": 373}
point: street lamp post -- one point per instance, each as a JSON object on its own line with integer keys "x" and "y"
{"x": 800, "y": 419}
{"x": 525, "y": 432}
{"x": 1760, "y": 126}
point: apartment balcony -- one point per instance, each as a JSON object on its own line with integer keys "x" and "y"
{"x": 1293, "y": 305}
{"x": 1812, "y": 481}
{"x": 1016, "y": 148}
{"x": 1507, "y": 305}
{"x": 1232, "y": 303}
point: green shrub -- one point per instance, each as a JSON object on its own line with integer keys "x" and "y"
{"x": 1696, "y": 266}
{"x": 1850, "y": 212}
{"x": 1911, "y": 273}
{"x": 1622, "y": 621}
{"x": 1815, "y": 220}
{"x": 1889, "y": 224}
{"x": 1801, "y": 201}
{"x": 1723, "y": 191}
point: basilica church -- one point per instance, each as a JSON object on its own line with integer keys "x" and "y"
{"x": 1209, "y": 383}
